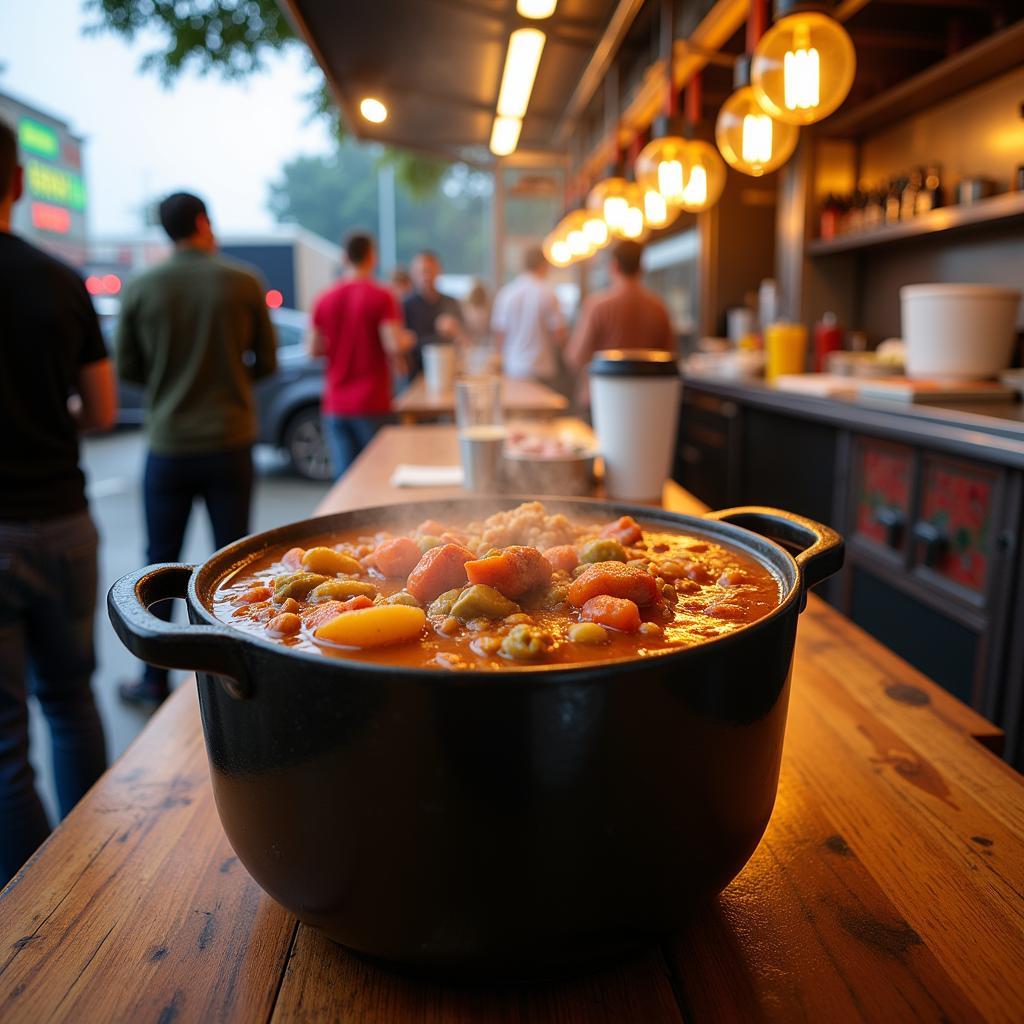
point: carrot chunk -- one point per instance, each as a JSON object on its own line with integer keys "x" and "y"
{"x": 328, "y": 610}
{"x": 615, "y": 579}
{"x": 562, "y": 557}
{"x": 614, "y": 612}
{"x": 293, "y": 557}
{"x": 430, "y": 528}
{"x": 397, "y": 557}
{"x": 439, "y": 569}
{"x": 625, "y": 530}
{"x": 513, "y": 571}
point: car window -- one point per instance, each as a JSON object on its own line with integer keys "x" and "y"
{"x": 288, "y": 335}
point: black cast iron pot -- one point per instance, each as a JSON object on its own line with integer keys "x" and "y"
{"x": 499, "y": 823}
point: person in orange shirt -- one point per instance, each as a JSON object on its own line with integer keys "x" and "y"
{"x": 627, "y": 315}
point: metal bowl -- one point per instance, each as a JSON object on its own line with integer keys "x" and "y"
{"x": 570, "y": 477}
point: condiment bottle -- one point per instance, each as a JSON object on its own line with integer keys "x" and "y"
{"x": 828, "y": 337}
{"x": 829, "y": 221}
{"x": 908, "y": 203}
{"x": 930, "y": 197}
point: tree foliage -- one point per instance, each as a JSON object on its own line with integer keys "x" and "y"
{"x": 336, "y": 194}
{"x": 233, "y": 38}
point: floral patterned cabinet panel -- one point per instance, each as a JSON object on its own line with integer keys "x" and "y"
{"x": 882, "y": 489}
{"x": 954, "y": 531}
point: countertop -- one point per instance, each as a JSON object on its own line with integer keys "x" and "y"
{"x": 987, "y": 430}
{"x": 519, "y": 397}
{"x": 887, "y": 887}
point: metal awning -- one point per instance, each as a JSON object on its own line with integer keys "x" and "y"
{"x": 437, "y": 66}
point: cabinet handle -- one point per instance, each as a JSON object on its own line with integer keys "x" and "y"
{"x": 894, "y": 521}
{"x": 935, "y": 541}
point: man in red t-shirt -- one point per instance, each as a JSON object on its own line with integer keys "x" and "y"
{"x": 356, "y": 325}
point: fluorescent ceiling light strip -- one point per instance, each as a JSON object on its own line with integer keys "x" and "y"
{"x": 505, "y": 135}
{"x": 536, "y": 8}
{"x": 524, "y": 50}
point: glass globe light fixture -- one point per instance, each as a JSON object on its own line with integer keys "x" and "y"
{"x": 657, "y": 213}
{"x": 634, "y": 221}
{"x": 687, "y": 173}
{"x": 803, "y": 67}
{"x": 610, "y": 199}
{"x": 596, "y": 230}
{"x": 572, "y": 230}
{"x": 750, "y": 140}
{"x": 556, "y": 250}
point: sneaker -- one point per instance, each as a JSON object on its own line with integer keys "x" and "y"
{"x": 142, "y": 694}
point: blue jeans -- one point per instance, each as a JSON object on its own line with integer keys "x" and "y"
{"x": 48, "y": 580}
{"x": 171, "y": 484}
{"x": 347, "y": 436}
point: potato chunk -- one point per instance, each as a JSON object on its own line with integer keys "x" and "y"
{"x": 341, "y": 590}
{"x": 378, "y": 626}
{"x": 296, "y": 585}
{"x": 482, "y": 602}
{"x": 329, "y": 562}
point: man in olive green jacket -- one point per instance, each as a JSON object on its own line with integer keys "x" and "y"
{"x": 195, "y": 332}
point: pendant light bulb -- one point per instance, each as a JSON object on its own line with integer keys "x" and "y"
{"x": 750, "y": 140}
{"x": 596, "y": 231}
{"x": 803, "y": 67}
{"x": 556, "y": 250}
{"x": 688, "y": 173}
{"x": 619, "y": 203}
{"x": 569, "y": 242}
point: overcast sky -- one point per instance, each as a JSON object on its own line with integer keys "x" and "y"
{"x": 223, "y": 140}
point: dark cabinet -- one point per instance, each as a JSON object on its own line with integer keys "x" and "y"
{"x": 708, "y": 446}
{"x": 788, "y": 462}
{"x": 934, "y": 568}
{"x": 883, "y": 477}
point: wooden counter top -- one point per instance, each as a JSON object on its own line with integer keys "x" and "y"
{"x": 887, "y": 887}
{"x": 519, "y": 397}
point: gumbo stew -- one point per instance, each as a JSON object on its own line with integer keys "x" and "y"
{"x": 522, "y": 587}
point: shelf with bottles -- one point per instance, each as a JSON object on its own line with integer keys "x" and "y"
{"x": 924, "y": 222}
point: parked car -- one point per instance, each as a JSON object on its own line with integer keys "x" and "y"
{"x": 287, "y": 403}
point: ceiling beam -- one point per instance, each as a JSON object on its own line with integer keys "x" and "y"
{"x": 597, "y": 67}
{"x": 690, "y": 56}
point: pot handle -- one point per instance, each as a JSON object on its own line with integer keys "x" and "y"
{"x": 817, "y": 548}
{"x": 214, "y": 649}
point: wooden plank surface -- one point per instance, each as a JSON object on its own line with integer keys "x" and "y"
{"x": 888, "y": 886}
{"x": 136, "y": 908}
{"x": 519, "y": 397}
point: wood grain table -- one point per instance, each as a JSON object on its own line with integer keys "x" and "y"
{"x": 519, "y": 398}
{"x": 888, "y": 886}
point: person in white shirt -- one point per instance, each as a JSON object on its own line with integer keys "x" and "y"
{"x": 528, "y": 324}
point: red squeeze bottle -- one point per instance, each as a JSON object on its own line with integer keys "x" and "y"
{"x": 828, "y": 337}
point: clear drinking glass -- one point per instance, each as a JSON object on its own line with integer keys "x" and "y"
{"x": 481, "y": 429}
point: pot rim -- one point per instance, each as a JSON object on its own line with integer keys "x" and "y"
{"x": 229, "y": 559}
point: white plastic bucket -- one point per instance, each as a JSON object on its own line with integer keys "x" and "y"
{"x": 958, "y": 331}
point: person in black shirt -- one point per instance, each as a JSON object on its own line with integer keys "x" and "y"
{"x": 51, "y": 351}
{"x": 431, "y": 315}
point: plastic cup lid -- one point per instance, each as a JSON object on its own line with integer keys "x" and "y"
{"x": 634, "y": 362}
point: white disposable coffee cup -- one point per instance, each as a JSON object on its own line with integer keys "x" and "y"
{"x": 634, "y": 402}
{"x": 439, "y": 367}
